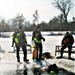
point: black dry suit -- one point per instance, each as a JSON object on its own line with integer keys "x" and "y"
{"x": 67, "y": 41}
{"x": 37, "y": 38}
{"x": 20, "y": 41}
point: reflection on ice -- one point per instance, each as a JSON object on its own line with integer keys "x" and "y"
{"x": 22, "y": 69}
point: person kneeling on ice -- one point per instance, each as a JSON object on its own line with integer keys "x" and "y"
{"x": 20, "y": 41}
{"x": 37, "y": 38}
{"x": 67, "y": 41}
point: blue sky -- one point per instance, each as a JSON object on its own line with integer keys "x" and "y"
{"x": 10, "y": 8}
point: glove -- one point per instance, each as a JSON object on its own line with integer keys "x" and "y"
{"x": 25, "y": 43}
{"x": 11, "y": 45}
{"x": 43, "y": 39}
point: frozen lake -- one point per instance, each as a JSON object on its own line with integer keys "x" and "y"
{"x": 8, "y": 60}
{"x": 48, "y": 45}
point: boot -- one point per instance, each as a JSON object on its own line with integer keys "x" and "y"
{"x": 69, "y": 56}
{"x": 26, "y": 60}
{"x": 18, "y": 60}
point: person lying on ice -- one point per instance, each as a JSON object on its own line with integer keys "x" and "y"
{"x": 67, "y": 41}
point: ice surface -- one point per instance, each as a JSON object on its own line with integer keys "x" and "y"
{"x": 8, "y": 60}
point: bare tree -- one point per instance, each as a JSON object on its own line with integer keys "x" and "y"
{"x": 64, "y": 6}
{"x": 19, "y": 19}
{"x": 35, "y": 17}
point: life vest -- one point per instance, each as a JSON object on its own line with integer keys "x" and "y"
{"x": 37, "y": 38}
{"x": 17, "y": 37}
{"x": 14, "y": 36}
{"x": 37, "y": 41}
{"x": 34, "y": 53}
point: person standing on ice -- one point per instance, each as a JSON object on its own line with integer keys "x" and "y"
{"x": 37, "y": 38}
{"x": 67, "y": 41}
{"x": 20, "y": 41}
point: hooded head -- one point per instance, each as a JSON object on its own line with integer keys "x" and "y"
{"x": 20, "y": 28}
{"x": 67, "y": 33}
{"x": 38, "y": 28}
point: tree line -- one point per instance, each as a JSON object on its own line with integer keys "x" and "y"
{"x": 58, "y": 23}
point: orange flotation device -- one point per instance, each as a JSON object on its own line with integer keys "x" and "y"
{"x": 34, "y": 53}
